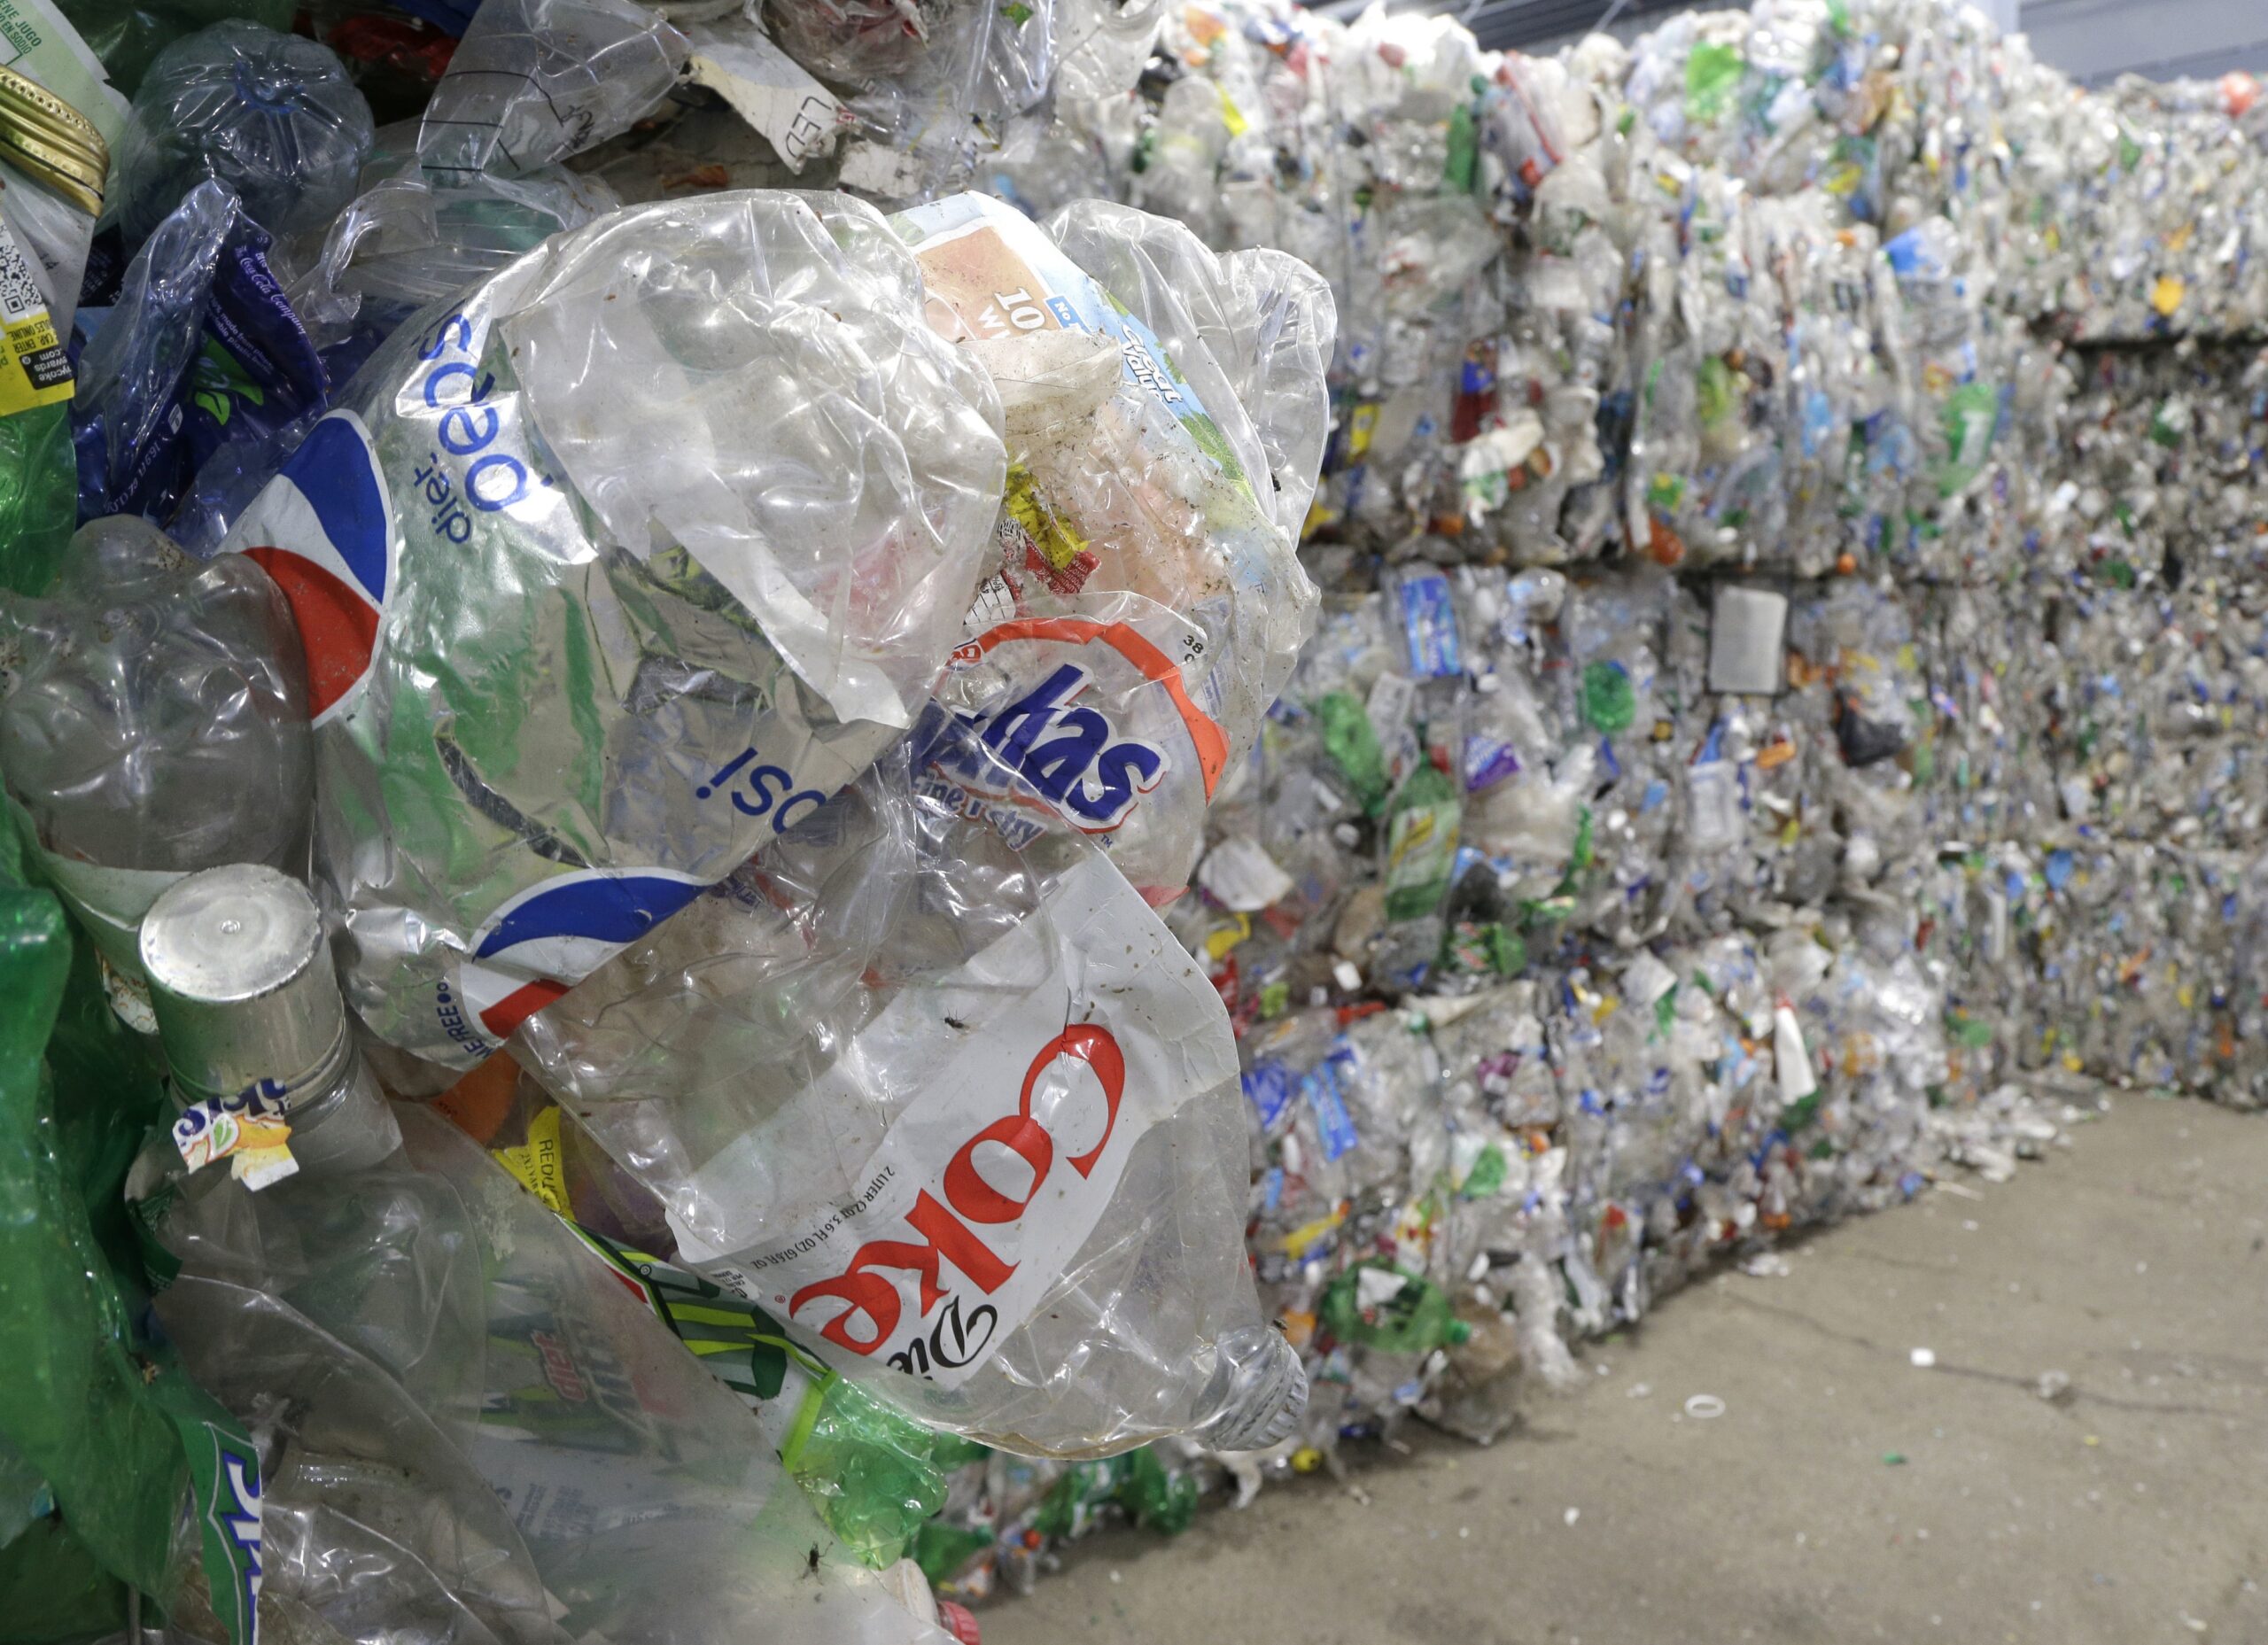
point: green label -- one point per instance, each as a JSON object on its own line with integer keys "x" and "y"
{"x": 224, "y": 1493}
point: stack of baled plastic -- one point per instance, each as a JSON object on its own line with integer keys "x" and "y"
{"x": 765, "y": 662}
{"x": 1782, "y": 716}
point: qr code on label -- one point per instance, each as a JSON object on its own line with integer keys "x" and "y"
{"x": 20, "y": 293}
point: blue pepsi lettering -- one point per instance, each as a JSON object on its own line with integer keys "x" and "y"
{"x": 455, "y": 368}
{"x": 468, "y": 428}
{"x": 462, "y": 436}
{"x": 485, "y": 498}
{"x": 441, "y": 334}
{"x": 451, "y": 1017}
{"x": 810, "y": 797}
{"x": 770, "y": 791}
{"x": 760, "y": 781}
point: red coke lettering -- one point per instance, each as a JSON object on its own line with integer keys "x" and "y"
{"x": 873, "y": 1301}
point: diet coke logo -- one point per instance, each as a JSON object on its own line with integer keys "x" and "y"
{"x": 978, "y": 1189}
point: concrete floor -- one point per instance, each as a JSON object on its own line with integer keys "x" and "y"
{"x": 2133, "y": 1510}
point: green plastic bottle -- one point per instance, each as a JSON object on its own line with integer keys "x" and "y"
{"x": 1421, "y": 843}
{"x": 1364, "y": 1307}
{"x": 1352, "y": 742}
{"x": 121, "y": 1442}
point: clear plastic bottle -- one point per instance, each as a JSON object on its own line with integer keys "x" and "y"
{"x": 272, "y": 116}
{"x": 155, "y": 723}
{"x": 241, "y": 980}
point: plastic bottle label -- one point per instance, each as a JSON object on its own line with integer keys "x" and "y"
{"x": 1429, "y": 621}
{"x": 1333, "y": 1123}
{"x": 42, "y": 374}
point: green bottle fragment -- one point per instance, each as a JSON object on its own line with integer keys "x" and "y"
{"x": 1714, "y": 391}
{"x": 872, "y": 1474}
{"x": 1972, "y": 417}
{"x": 1610, "y": 701}
{"x": 1465, "y": 152}
{"x": 1488, "y": 1174}
{"x": 1140, "y": 1483}
{"x": 1713, "y": 75}
{"x": 39, "y": 497}
{"x": 1155, "y": 1496}
{"x": 1421, "y": 843}
{"x": 1352, "y": 745}
{"x": 943, "y": 1551}
{"x": 1416, "y": 1318}
{"x": 1075, "y": 1500}
{"x": 952, "y": 1451}
{"x": 120, "y": 1435}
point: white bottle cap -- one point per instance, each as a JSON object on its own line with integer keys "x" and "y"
{"x": 241, "y": 980}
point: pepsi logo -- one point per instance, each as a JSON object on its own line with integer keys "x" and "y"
{"x": 324, "y": 530}
{"x": 550, "y": 937}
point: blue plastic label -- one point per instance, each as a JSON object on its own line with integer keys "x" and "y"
{"x": 1487, "y": 761}
{"x": 1429, "y": 619}
{"x": 1332, "y": 1122}
{"x": 1269, "y": 1089}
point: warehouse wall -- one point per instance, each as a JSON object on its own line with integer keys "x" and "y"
{"x": 2095, "y": 40}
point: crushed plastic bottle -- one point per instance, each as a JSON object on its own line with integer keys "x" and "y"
{"x": 271, "y": 116}
{"x": 960, "y": 1283}
{"x": 155, "y": 724}
{"x": 437, "y": 1376}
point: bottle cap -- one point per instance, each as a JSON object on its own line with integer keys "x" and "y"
{"x": 241, "y": 980}
{"x": 51, "y": 142}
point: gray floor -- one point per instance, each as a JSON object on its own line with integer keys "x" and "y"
{"x": 2133, "y": 1510}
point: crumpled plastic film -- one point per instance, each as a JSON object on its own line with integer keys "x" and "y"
{"x": 707, "y": 452}
{"x": 533, "y": 82}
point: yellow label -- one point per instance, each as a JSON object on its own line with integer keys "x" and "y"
{"x": 1058, "y": 544}
{"x": 1221, "y": 942}
{"x": 1300, "y": 1239}
{"x": 2166, "y": 295}
{"x": 1359, "y": 426}
{"x": 537, "y": 1163}
{"x": 1232, "y": 117}
{"x": 36, "y": 371}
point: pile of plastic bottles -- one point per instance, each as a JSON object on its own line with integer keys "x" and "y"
{"x": 1781, "y": 717}
{"x": 1024, "y": 858}
{"x": 763, "y": 662}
